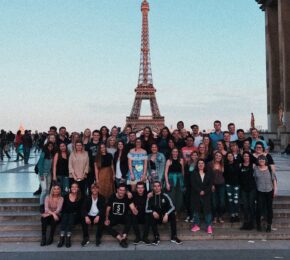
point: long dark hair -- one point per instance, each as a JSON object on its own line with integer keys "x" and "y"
{"x": 99, "y": 157}
{"x": 48, "y": 154}
{"x": 168, "y": 131}
{"x": 123, "y": 153}
{"x": 79, "y": 195}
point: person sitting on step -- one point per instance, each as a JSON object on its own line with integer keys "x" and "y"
{"x": 51, "y": 216}
{"x": 161, "y": 210}
{"x": 117, "y": 212}
{"x": 70, "y": 214}
{"x": 93, "y": 213}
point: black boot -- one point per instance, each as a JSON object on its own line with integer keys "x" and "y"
{"x": 43, "y": 240}
{"x": 269, "y": 228}
{"x": 244, "y": 226}
{"x": 61, "y": 241}
{"x": 43, "y": 232}
{"x": 51, "y": 235}
{"x": 37, "y": 192}
{"x": 250, "y": 226}
{"x": 67, "y": 241}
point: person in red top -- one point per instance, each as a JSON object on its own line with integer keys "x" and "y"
{"x": 188, "y": 149}
{"x": 18, "y": 145}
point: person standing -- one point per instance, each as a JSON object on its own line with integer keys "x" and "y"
{"x": 27, "y": 145}
{"x": 217, "y": 135}
{"x": 79, "y": 167}
{"x": 44, "y": 171}
{"x": 231, "y": 175}
{"x": 104, "y": 171}
{"x": 201, "y": 183}
{"x": 120, "y": 164}
{"x": 156, "y": 165}
{"x": 174, "y": 179}
{"x": 248, "y": 191}
{"x": 92, "y": 149}
{"x": 137, "y": 162}
{"x": 60, "y": 171}
{"x": 266, "y": 190}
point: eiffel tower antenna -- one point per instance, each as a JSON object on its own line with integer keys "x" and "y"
{"x": 145, "y": 89}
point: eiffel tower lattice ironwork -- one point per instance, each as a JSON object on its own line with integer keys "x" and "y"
{"x": 145, "y": 89}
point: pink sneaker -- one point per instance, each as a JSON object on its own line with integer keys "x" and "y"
{"x": 195, "y": 228}
{"x": 209, "y": 230}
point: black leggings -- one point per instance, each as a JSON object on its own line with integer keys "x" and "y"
{"x": 48, "y": 221}
{"x": 264, "y": 203}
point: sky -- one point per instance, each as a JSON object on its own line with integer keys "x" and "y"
{"x": 76, "y": 62}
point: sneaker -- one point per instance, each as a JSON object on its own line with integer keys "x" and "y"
{"x": 209, "y": 230}
{"x": 123, "y": 243}
{"x": 137, "y": 241}
{"x": 195, "y": 228}
{"x": 187, "y": 219}
{"x": 146, "y": 241}
{"x": 176, "y": 240}
{"x": 156, "y": 241}
{"x": 85, "y": 242}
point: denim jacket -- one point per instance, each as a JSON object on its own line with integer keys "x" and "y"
{"x": 44, "y": 165}
{"x": 160, "y": 165}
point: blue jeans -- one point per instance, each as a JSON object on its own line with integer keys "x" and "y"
{"x": 45, "y": 185}
{"x": 233, "y": 194}
{"x": 64, "y": 184}
{"x": 218, "y": 200}
{"x": 196, "y": 216}
{"x": 26, "y": 153}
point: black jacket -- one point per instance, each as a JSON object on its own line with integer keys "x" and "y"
{"x": 197, "y": 185}
{"x": 87, "y": 204}
{"x": 161, "y": 203}
{"x": 123, "y": 164}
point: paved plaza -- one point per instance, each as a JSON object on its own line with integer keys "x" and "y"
{"x": 19, "y": 180}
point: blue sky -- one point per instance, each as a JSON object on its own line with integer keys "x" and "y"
{"x": 76, "y": 63}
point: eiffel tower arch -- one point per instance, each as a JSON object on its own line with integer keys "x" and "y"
{"x": 145, "y": 89}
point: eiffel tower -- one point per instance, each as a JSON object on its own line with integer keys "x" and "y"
{"x": 145, "y": 89}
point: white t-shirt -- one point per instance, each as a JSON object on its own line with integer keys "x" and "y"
{"x": 234, "y": 137}
{"x": 94, "y": 211}
{"x": 118, "y": 170}
{"x": 197, "y": 140}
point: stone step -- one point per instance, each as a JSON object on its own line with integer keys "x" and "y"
{"x": 283, "y": 204}
{"x": 282, "y": 213}
{"x": 22, "y": 216}
{"x": 20, "y": 200}
{"x": 186, "y": 235}
{"x": 19, "y": 206}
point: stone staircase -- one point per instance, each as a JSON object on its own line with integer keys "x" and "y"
{"x": 20, "y": 222}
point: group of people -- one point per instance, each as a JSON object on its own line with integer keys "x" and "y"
{"x": 107, "y": 177}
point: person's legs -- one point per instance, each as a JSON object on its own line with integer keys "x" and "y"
{"x": 110, "y": 229}
{"x": 43, "y": 183}
{"x": 252, "y": 207}
{"x": 236, "y": 202}
{"x": 221, "y": 200}
{"x": 172, "y": 220}
{"x": 135, "y": 226}
{"x": 269, "y": 206}
{"x": 230, "y": 196}
{"x": 260, "y": 199}
{"x": 187, "y": 196}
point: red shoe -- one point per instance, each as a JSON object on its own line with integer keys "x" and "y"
{"x": 209, "y": 230}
